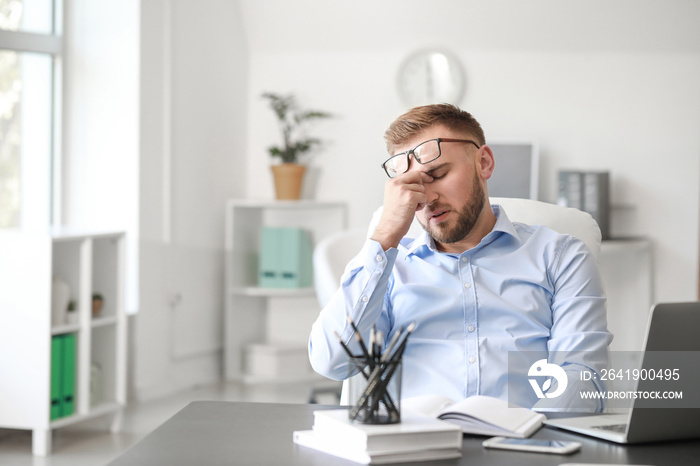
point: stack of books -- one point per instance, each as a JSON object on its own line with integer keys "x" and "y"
{"x": 416, "y": 438}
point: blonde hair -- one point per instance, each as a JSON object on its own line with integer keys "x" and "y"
{"x": 418, "y": 119}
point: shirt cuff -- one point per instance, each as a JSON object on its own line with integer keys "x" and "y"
{"x": 373, "y": 257}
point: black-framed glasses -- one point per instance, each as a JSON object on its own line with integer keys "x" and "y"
{"x": 423, "y": 153}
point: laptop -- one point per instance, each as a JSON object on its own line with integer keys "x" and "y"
{"x": 672, "y": 327}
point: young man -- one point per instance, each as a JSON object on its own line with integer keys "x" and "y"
{"x": 489, "y": 297}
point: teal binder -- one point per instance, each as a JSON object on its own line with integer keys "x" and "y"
{"x": 286, "y": 258}
{"x": 270, "y": 248}
{"x": 296, "y": 267}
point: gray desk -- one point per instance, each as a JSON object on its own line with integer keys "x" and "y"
{"x": 231, "y": 433}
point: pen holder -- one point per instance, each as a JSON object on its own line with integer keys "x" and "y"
{"x": 374, "y": 393}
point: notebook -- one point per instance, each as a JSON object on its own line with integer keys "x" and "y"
{"x": 672, "y": 327}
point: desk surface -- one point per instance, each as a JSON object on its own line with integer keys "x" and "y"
{"x": 216, "y": 432}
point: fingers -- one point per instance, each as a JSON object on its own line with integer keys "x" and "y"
{"x": 426, "y": 178}
{"x": 408, "y": 191}
{"x": 403, "y": 196}
{"x": 412, "y": 181}
{"x": 405, "y": 192}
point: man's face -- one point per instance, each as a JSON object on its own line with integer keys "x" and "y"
{"x": 456, "y": 195}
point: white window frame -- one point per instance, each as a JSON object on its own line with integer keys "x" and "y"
{"x": 48, "y": 198}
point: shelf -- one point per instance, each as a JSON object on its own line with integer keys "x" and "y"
{"x": 261, "y": 379}
{"x": 257, "y": 314}
{"x": 43, "y": 274}
{"x": 636, "y": 243}
{"x": 69, "y": 234}
{"x": 622, "y": 206}
{"x": 67, "y": 328}
{"x": 272, "y": 292}
{"x": 103, "y": 321}
{"x": 285, "y": 204}
{"x": 97, "y": 411}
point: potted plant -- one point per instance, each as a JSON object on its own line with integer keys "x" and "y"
{"x": 292, "y": 120}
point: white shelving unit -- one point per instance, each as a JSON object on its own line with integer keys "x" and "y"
{"x": 248, "y": 319}
{"x": 89, "y": 263}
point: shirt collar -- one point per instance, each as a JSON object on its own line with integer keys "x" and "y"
{"x": 503, "y": 226}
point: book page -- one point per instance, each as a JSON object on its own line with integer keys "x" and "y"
{"x": 431, "y": 405}
{"x": 493, "y": 411}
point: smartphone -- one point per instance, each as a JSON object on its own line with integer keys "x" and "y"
{"x": 558, "y": 447}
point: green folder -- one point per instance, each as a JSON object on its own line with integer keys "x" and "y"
{"x": 62, "y": 375}
{"x": 56, "y": 375}
{"x": 68, "y": 382}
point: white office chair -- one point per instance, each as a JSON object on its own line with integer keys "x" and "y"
{"x": 333, "y": 253}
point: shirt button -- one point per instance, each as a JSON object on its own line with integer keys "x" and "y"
{"x": 379, "y": 258}
{"x": 467, "y": 285}
{"x": 471, "y": 359}
{"x": 365, "y": 299}
{"x": 470, "y": 328}
{"x": 464, "y": 259}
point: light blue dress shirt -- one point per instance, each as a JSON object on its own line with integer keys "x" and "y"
{"x": 483, "y": 317}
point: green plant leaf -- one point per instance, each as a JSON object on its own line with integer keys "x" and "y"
{"x": 291, "y": 119}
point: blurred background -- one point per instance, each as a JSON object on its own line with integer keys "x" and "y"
{"x": 160, "y": 122}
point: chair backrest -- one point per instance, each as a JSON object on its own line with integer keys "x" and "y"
{"x": 561, "y": 219}
{"x": 333, "y": 253}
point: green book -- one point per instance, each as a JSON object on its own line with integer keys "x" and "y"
{"x": 56, "y": 375}
{"x": 68, "y": 382}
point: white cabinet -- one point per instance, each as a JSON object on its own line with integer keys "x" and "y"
{"x": 269, "y": 326}
{"x": 626, "y": 267}
{"x": 88, "y": 263}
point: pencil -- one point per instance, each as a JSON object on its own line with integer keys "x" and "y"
{"x": 358, "y": 337}
{"x": 345, "y": 347}
{"x": 380, "y": 376}
{"x": 392, "y": 342}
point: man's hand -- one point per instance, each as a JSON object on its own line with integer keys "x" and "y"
{"x": 403, "y": 196}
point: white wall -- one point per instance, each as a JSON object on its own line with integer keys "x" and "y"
{"x": 193, "y": 126}
{"x": 602, "y": 85}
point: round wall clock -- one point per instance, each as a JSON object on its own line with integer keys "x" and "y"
{"x": 430, "y": 77}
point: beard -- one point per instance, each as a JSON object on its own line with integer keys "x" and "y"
{"x": 466, "y": 219}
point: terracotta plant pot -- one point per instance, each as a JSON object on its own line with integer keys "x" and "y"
{"x": 288, "y": 180}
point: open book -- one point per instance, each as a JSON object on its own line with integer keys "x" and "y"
{"x": 480, "y": 415}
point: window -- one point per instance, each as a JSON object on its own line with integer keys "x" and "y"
{"x": 30, "y": 52}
